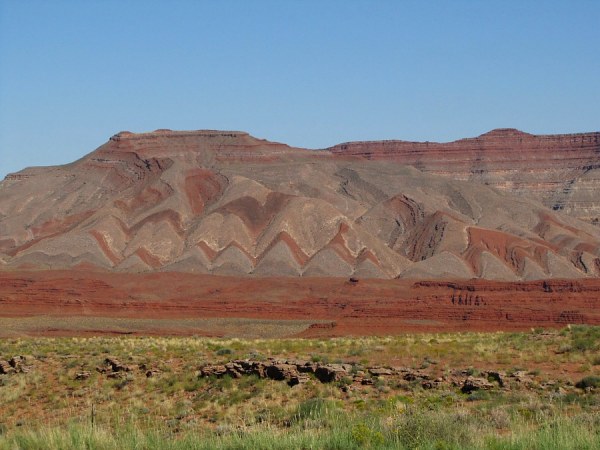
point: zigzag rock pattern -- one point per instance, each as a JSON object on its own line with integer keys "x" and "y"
{"x": 227, "y": 203}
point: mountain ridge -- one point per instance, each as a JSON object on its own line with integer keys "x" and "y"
{"x": 224, "y": 202}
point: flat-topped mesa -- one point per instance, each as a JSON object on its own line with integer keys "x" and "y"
{"x": 491, "y": 146}
{"x": 226, "y": 203}
{"x": 505, "y": 132}
{"x": 164, "y": 132}
{"x": 220, "y": 145}
{"x": 562, "y": 170}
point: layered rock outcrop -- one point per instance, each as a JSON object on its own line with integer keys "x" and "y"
{"x": 310, "y": 307}
{"x": 562, "y": 171}
{"x": 226, "y": 203}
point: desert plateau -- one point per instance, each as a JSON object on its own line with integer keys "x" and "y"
{"x": 364, "y": 238}
{"x": 208, "y": 289}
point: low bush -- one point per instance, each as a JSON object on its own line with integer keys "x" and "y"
{"x": 591, "y": 381}
{"x": 585, "y": 338}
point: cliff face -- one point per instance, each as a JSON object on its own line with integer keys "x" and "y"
{"x": 562, "y": 171}
{"x": 224, "y": 202}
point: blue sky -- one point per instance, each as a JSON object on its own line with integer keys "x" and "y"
{"x": 308, "y": 73}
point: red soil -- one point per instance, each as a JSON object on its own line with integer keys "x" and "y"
{"x": 338, "y": 306}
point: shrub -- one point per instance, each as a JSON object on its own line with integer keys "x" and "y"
{"x": 224, "y": 351}
{"x": 592, "y": 381}
{"x": 585, "y": 337}
{"x": 366, "y": 437}
{"x": 418, "y": 428}
{"x": 313, "y": 408}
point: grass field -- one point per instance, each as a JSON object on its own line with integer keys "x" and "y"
{"x": 555, "y": 403}
{"x": 94, "y": 325}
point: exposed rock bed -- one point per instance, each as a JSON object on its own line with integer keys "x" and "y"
{"x": 347, "y": 375}
{"x": 16, "y": 364}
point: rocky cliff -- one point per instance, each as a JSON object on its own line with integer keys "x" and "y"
{"x": 562, "y": 171}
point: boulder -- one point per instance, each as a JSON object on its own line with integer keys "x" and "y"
{"x": 234, "y": 369}
{"x": 249, "y": 367}
{"x": 216, "y": 371}
{"x": 380, "y": 371}
{"x": 18, "y": 363}
{"x": 5, "y": 367}
{"x": 332, "y": 372}
{"x": 298, "y": 379}
{"x": 117, "y": 366}
{"x": 306, "y": 366}
{"x": 520, "y": 376}
{"x": 414, "y": 375}
{"x": 496, "y": 376}
{"x": 475, "y": 384}
{"x": 282, "y": 372}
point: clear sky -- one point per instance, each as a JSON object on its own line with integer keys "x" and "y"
{"x": 307, "y": 73}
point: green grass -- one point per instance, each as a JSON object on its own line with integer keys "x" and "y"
{"x": 416, "y": 428}
{"x": 47, "y": 408}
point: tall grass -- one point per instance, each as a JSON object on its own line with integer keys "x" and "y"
{"x": 47, "y": 408}
{"x": 420, "y": 429}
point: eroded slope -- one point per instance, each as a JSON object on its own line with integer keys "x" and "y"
{"x": 227, "y": 203}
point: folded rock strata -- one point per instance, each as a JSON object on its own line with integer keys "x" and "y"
{"x": 504, "y": 206}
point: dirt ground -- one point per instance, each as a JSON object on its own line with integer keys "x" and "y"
{"x": 166, "y": 302}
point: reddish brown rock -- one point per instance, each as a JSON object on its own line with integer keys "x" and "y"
{"x": 373, "y": 307}
{"x": 563, "y": 171}
{"x": 380, "y": 371}
{"x": 328, "y": 373}
{"x": 226, "y": 203}
{"x": 216, "y": 371}
{"x": 282, "y": 372}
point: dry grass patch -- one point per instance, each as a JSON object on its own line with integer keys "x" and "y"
{"x": 47, "y": 403}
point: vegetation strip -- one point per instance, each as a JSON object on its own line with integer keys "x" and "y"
{"x": 157, "y": 392}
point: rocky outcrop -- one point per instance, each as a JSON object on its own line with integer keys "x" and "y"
{"x": 349, "y": 376}
{"x": 113, "y": 368}
{"x": 475, "y": 384}
{"x": 295, "y": 372}
{"x": 292, "y": 372}
{"x": 16, "y": 364}
{"x": 5, "y": 367}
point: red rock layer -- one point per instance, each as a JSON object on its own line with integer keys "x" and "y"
{"x": 209, "y": 144}
{"x": 363, "y": 307}
{"x": 561, "y": 170}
